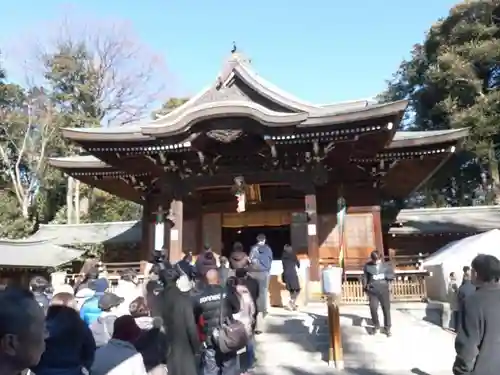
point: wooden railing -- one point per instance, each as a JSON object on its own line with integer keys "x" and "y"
{"x": 408, "y": 286}
{"x": 402, "y": 290}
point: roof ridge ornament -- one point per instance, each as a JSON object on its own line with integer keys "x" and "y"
{"x": 237, "y": 56}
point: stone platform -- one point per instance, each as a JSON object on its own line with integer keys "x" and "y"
{"x": 296, "y": 343}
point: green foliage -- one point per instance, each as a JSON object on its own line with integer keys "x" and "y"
{"x": 100, "y": 77}
{"x": 12, "y": 223}
{"x": 107, "y": 207}
{"x": 168, "y": 106}
{"x": 452, "y": 80}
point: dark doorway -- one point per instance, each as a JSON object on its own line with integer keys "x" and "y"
{"x": 276, "y": 238}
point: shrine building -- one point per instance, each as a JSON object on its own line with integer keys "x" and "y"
{"x": 243, "y": 157}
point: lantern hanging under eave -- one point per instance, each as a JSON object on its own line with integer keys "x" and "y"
{"x": 242, "y": 202}
{"x": 253, "y": 195}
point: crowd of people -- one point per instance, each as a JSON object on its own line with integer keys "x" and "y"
{"x": 188, "y": 319}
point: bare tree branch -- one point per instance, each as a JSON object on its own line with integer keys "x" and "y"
{"x": 127, "y": 79}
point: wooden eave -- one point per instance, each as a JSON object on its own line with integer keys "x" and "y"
{"x": 408, "y": 139}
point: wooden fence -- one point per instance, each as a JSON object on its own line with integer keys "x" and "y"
{"x": 403, "y": 290}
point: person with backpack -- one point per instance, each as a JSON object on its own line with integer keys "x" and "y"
{"x": 261, "y": 259}
{"x": 214, "y": 305}
{"x": 238, "y": 261}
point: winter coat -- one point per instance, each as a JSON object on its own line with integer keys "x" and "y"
{"x": 290, "y": 277}
{"x": 152, "y": 344}
{"x": 82, "y": 296}
{"x": 102, "y": 328}
{"x": 90, "y": 311}
{"x": 118, "y": 357}
{"x": 477, "y": 343}
{"x": 182, "y": 334}
{"x": 69, "y": 346}
{"x": 453, "y": 295}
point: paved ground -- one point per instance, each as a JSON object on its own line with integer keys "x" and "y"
{"x": 296, "y": 343}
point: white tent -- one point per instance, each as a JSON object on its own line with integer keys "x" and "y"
{"x": 454, "y": 256}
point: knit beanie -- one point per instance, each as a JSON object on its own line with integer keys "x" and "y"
{"x": 238, "y": 259}
{"x": 206, "y": 261}
{"x": 126, "y": 329}
{"x": 99, "y": 285}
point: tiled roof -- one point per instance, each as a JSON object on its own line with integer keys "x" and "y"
{"x": 34, "y": 253}
{"x": 447, "y": 220}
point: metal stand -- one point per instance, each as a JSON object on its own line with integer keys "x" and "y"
{"x": 336, "y": 351}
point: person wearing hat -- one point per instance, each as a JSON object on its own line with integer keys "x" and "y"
{"x": 90, "y": 310}
{"x": 102, "y": 327}
{"x": 119, "y": 356}
{"x": 206, "y": 261}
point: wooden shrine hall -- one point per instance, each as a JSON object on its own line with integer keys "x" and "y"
{"x": 242, "y": 157}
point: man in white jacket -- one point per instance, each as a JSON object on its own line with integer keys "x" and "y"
{"x": 128, "y": 289}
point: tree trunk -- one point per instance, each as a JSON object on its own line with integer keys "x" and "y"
{"x": 77, "y": 202}
{"x": 69, "y": 201}
{"x": 26, "y": 207}
{"x": 495, "y": 175}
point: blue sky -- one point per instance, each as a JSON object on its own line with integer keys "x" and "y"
{"x": 320, "y": 50}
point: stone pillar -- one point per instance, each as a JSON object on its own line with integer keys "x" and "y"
{"x": 176, "y": 232}
{"x": 312, "y": 236}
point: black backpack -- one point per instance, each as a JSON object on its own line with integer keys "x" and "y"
{"x": 232, "y": 335}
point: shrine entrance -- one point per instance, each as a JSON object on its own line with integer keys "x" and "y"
{"x": 276, "y": 237}
{"x": 244, "y": 227}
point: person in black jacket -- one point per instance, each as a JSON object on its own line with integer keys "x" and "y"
{"x": 185, "y": 264}
{"x": 69, "y": 347}
{"x": 377, "y": 275}
{"x": 477, "y": 343}
{"x": 465, "y": 290}
{"x": 209, "y": 298}
{"x": 290, "y": 277}
{"x": 38, "y": 286}
{"x": 180, "y": 325}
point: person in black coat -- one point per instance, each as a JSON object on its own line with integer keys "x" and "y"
{"x": 290, "y": 277}
{"x": 477, "y": 343}
{"x": 38, "y": 286}
{"x": 180, "y": 327}
{"x": 69, "y": 346}
{"x": 465, "y": 290}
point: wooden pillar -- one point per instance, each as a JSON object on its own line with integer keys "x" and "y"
{"x": 336, "y": 351}
{"x": 177, "y": 217}
{"x": 147, "y": 234}
{"x": 312, "y": 236}
{"x": 377, "y": 230}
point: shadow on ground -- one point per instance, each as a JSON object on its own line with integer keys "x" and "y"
{"x": 314, "y": 339}
{"x": 290, "y": 370}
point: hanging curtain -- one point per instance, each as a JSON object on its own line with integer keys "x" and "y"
{"x": 256, "y": 219}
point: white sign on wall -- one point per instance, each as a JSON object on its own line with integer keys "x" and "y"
{"x": 311, "y": 229}
{"x": 159, "y": 236}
